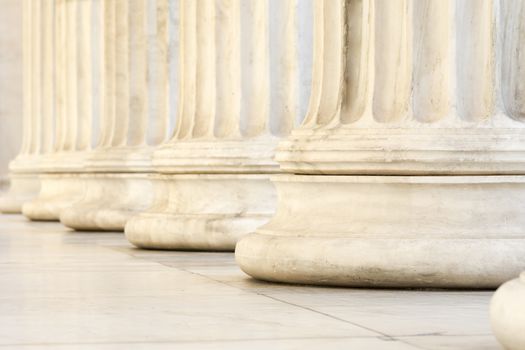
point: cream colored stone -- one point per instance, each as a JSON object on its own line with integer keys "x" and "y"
{"x": 24, "y": 168}
{"x": 406, "y": 89}
{"x": 57, "y": 192}
{"x": 406, "y": 172}
{"x": 108, "y": 201}
{"x": 377, "y": 231}
{"x": 22, "y": 189}
{"x": 11, "y": 84}
{"x": 507, "y": 313}
{"x": 203, "y": 212}
{"x": 242, "y": 88}
{"x": 66, "y": 69}
{"x": 117, "y": 185}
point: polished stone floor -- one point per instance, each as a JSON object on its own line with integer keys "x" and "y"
{"x": 68, "y": 290}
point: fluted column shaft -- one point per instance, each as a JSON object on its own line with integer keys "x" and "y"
{"x": 403, "y": 88}
{"x": 128, "y": 113}
{"x": 74, "y": 86}
{"x": 239, "y": 84}
{"x": 37, "y": 112}
{"x": 36, "y": 49}
{"x": 242, "y": 88}
{"x": 134, "y": 115}
{"x": 63, "y": 95}
{"x": 419, "y": 92}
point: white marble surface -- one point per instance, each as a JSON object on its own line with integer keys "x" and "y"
{"x": 507, "y": 313}
{"x": 61, "y": 289}
{"x": 10, "y": 82}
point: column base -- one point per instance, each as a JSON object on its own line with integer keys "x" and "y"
{"x": 109, "y": 201}
{"x": 203, "y": 212}
{"x": 507, "y": 313}
{"x": 391, "y": 231}
{"x": 58, "y": 192}
{"x": 23, "y": 188}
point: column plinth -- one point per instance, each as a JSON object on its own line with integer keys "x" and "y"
{"x": 22, "y": 189}
{"x": 203, "y": 212}
{"x": 507, "y": 314}
{"x": 209, "y": 194}
{"x": 116, "y": 185}
{"x": 57, "y": 192}
{"x": 408, "y": 170}
{"x": 390, "y": 231}
{"x": 108, "y": 201}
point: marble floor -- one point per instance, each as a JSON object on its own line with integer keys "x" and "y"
{"x": 70, "y": 290}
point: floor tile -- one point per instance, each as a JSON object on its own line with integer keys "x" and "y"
{"x": 281, "y": 344}
{"x": 93, "y": 290}
{"x": 476, "y": 342}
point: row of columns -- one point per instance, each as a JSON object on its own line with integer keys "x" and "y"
{"x": 181, "y": 123}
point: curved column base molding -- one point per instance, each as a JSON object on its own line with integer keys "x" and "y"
{"x": 507, "y": 313}
{"x": 413, "y": 151}
{"x": 23, "y": 188}
{"x": 119, "y": 160}
{"x": 203, "y": 212}
{"x": 71, "y": 162}
{"x": 217, "y": 157}
{"x": 109, "y": 201}
{"x": 58, "y": 192}
{"x": 391, "y": 231}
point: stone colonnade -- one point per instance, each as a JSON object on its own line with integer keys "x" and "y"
{"x": 181, "y": 123}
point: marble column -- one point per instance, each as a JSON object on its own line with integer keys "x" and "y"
{"x": 408, "y": 169}
{"x": 134, "y": 115}
{"x": 507, "y": 313}
{"x": 66, "y": 105}
{"x": 244, "y": 80}
{"x": 24, "y": 169}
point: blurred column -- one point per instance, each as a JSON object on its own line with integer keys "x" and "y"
{"x": 25, "y": 168}
{"x": 134, "y": 116}
{"x": 66, "y": 104}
